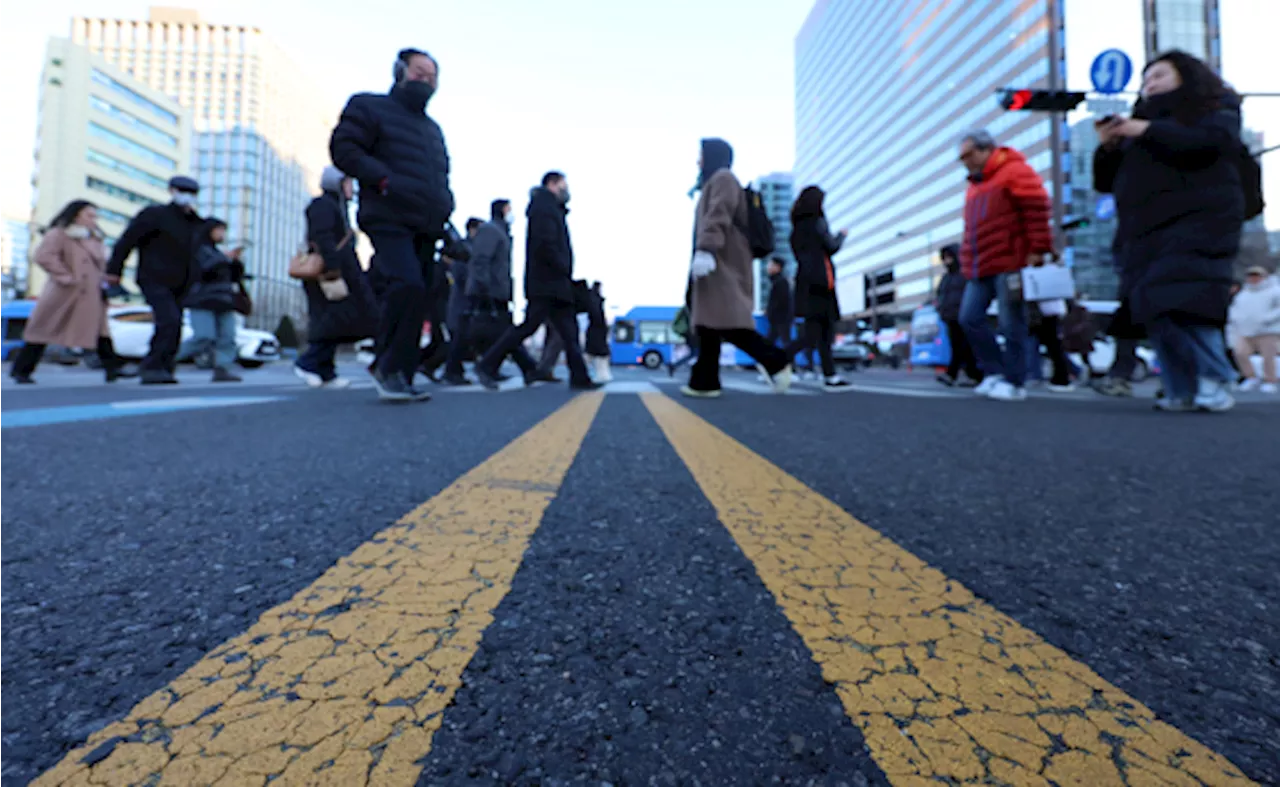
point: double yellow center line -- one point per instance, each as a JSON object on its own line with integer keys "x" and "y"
{"x": 346, "y": 683}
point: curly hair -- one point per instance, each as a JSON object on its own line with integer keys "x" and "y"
{"x": 1203, "y": 91}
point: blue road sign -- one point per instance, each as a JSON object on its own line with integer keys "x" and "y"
{"x": 1106, "y": 207}
{"x": 1111, "y": 71}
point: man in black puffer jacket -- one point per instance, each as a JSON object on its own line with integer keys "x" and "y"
{"x": 398, "y": 155}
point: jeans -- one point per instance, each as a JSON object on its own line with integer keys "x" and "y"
{"x": 401, "y": 259}
{"x": 1188, "y": 353}
{"x": 978, "y": 294}
{"x": 560, "y": 315}
{"x": 319, "y": 359}
{"x": 215, "y": 330}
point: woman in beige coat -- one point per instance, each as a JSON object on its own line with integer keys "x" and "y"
{"x": 72, "y": 308}
{"x": 720, "y": 291}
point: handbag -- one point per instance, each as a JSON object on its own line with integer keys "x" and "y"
{"x": 240, "y": 300}
{"x": 334, "y": 289}
{"x": 308, "y": 264}
{"x": 1047, "y": 283}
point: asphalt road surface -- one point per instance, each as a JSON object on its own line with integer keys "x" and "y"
{"x": 899, "y": 584}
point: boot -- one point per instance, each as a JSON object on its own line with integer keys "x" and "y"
{"x": 25, "y": 362}
{"x": 113, "y": 366}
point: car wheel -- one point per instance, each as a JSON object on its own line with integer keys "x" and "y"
{"x": 249, "y": 364}
{"x": 652, "y": 359}
{"x": 1140, "y": 372}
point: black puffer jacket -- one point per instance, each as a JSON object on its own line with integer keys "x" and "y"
{"x": 214, "y": 288}
{"x": 548, "y": 270}
{"x": 356, "y": 316}
{"x": 166, "y": 237}
{"x": 1180, "y": 206}
{"x": 389, "y": 140}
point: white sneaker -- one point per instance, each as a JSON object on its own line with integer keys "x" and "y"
{"x": 1251, "y": 384}
{"x": 1213, "y": 397}
{"x": 337, "y": 384}
{"x": 1268, "y": 388}
{"x": 987, "y": 385}
{"x": 781, "y": 381}
{"x": 312, "y": 379}
{"x": 1007, "y": 392}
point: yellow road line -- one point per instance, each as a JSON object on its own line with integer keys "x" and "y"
{"x": 346, "y": 683}
{"x": 943, "y": 685}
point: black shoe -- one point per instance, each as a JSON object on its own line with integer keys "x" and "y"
{"x": 392, "y": 388}
{"x": 120, "y": 373}
{"x": 502, "y": 378}
{"x": 419, "y": 395}
{"x": 22, "y": 379}
{"x": 586, "y": 385}
{"x": 486, "y": 379}
{"x": 946, "y": 380}
{"x": 157, "y": 378}
{"x": 544, "y": 377}
{"x": 458, "y": 380}
{"x": 222, "y": 375}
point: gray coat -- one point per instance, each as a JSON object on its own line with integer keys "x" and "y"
{"x": 723, "y": 299}
{"x": 489, "y": 277}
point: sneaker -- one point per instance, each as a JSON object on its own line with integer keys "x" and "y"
{"x": 22, "y": 379}
{"x": 1004, "y": 391}
{"x": 1213, "y": 397}
{"x": 489, "y": 381}
{"x": 781, "y": 381}
{"x": 946, "y": 380}
{"x": 988, "y": 384}
{"x": 836, "y": 382}
{"x": 419, "y": 394}
{"x": 392, "y": 388}
{"x": 312, "y": 379}
{"x": 458, "y": 381}
{"x": 1268, "y": 388}
{"x": 336, "y": 384}
{"x": 694, "y": 393}
{"x": 223, "y": 375}
{"x": 1173, "y": 406}
{"x": 1250, "y": 384}
{"x": 1109, "y": 386}
{"x": 1061, "y": 387}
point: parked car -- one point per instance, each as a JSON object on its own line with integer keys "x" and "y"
{"x": 851, "y": 354}
{"x": 132, "y": 327}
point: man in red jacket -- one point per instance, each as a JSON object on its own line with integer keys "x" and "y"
{"x": 1006, "y": 228}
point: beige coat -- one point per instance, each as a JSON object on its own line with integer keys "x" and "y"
{"x": 724, "y": 298}
{"x": 70, "y": 310}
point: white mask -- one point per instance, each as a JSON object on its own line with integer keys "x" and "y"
{"x": 509, "y": 219}
{"x": 184, "y": 199}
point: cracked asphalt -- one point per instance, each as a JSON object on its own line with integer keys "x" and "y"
{"x": 529, "y": 588}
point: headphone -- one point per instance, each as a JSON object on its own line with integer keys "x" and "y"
{"x": 402, "y": 62}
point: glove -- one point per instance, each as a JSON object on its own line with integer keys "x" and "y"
{"x": 704, "y": 263}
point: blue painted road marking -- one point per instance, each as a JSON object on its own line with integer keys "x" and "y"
{"x": 94, "y": 412}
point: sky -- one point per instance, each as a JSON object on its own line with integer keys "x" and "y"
{"x": 616, "y": 95}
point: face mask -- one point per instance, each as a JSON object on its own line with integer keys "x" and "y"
{"x": 509, "y": 219}
{"x": 184, "y": 199}
{"x": 421, "y": 91}
{"x": 564, "y": 196}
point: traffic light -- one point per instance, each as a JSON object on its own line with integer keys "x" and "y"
{"x": 1039, "y": 100}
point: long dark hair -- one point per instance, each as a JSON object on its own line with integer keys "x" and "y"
{"x": 808, "y": 204}
{"x": 1202, "y": 91}
{"x": 67, "y": 216}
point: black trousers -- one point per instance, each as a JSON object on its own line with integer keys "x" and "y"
{"x": 562, "y": 317}
{"x": 166, "y": 305}
{"x": 819, "y": 333}
{"x": 962, "y": 356}
{"x": 405, "y": 263}
{"x": 28, "y": 358}
{"x": 551, "y": 349}
{"x": 706, "y": 370}
{"x": 1047, "y": 334}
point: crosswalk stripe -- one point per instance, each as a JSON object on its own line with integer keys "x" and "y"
{"x": 346, "y": 683}
{"x": 945, "y": 688}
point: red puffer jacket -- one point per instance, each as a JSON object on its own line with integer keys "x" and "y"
{"x": 1006, "y": 217}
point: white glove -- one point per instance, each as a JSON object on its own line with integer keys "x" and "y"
{"x": 704, "y": 263}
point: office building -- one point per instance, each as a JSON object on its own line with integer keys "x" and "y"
{"x": 884, "y": 91}
{"x": 15, "y": 250}
{"x": 1190, "y": 25}
{"x": 776, "y": 196}
{"x": 105, "y": 137}
{"x": 261, "y": 133}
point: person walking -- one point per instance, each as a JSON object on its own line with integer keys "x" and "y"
{"x": 1255, "y": 328}
{"x": 815, "y": 294}
{"x": 397, "y": 153}
{"x": 1172, "y": 167}
{"x": 1006, "y": 228}
{"x": 341, "y": 306}
{"x": 950, "y": 295}
{"x": 780, "y": 310}
{"x": 166, "y": 238}
{"x": 211, "y": 301}
{"x": 720, "y": 297}
{"x": 548, "y": 284}
{"x": 72, "y": 308}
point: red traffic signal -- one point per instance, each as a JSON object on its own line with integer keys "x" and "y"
{"x": 1039, "y": 100}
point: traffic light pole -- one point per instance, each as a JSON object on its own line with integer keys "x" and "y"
{"x": 1056, "y": 118}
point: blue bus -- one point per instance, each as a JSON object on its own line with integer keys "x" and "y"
{"x": 930, "y": 345}
{"x": 645, "y": 337}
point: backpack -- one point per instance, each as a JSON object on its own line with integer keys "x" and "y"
{"x": 1251, "y": 181}
{"x": 759, "y": 228}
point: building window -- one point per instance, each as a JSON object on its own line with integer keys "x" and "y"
{"x": 125, "y": 194}
{"x": 134, "y": 97}
{"x": 129, "y": 145}
{"x": 102, "y": 160}
{"x": 119, "y": 115}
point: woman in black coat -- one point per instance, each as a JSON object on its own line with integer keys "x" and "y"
{"x": 334, "y": 318}
{"x": 1174, "y": 170}
{"x": 950, "y": 294}
{"x": 815, "y": 290}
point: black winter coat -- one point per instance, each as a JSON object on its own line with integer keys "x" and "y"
{"x": 166, "y": 238}
{"x": 951, "y": 294}
{"x": 1180, "y": 206}
{"x": 356, "y": 316}
{"x": 214, "y": 289}
{"x": 389, "y": 137}
{"x": 489, "y": 278}
{"x": 812, "y": 243}
{"x": 780, "y": 310}
{"x": 597, "y": 327}
{"x": 548, "y": 270}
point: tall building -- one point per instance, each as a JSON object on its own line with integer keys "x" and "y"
{"x": 15, "y": 249}
{"x": 105, "y": 137}
{"x": 884, "y": 91}
{"x": 1190, "y": 25}
{"x": 776, "y": 196}
{"x": 261, "y": 133}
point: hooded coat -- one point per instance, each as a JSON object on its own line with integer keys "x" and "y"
{"x": 813, "y": 244}
{"x": 951, "y": 288}
{"x": 1180, "y": 206}
{"x": 355, "y": 317}
{"x": 548, "y": 250}
{"x": 722, "y": 300}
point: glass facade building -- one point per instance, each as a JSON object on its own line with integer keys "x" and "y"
{"x": 884, "y": 91}
{"x": 1190, "y": 25}
{"x": 776, "y": 196}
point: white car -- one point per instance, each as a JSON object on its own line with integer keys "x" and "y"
{"x": 132, "y": 327}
